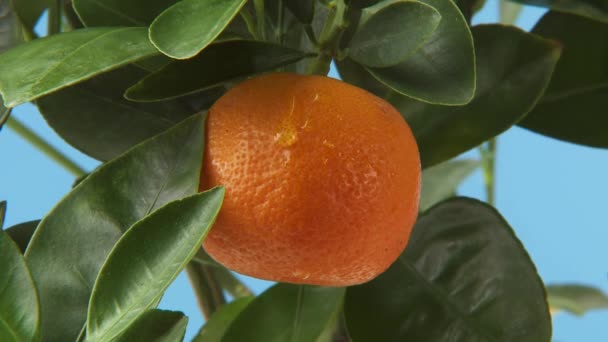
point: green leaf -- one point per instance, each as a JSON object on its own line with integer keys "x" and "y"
{"x": 304, "y": 10}
{"x": 576, "y": 299}
{"x": 186, "y": 28}
{"x": 73, "y": 240}
{"x": 145, "y": 261}
{"x": 22, "y": 233}
{"x": 10, "y": 28}
{"x": 509, "y": 12}
{"x": 287, "y": 312}
{"x": 2, "y": 213}
{"x": 513, "y": 70}
{"x": 29, "y": 11}
{"x": 464, "y": 276}
{"x": 119, "y": 12}
{"x": 354, "y": 73}
{"x": 442, "y": 71}
{"x": 594, "y": 9}
{"x": 209, "y": 69}
{"x": 39, "y": 67}
{"x": 441, "y": 181}
{"x": 19, "y": 312}
{"x": 94, "y": 116}
{"x": 156, "y": 326}
{"x": 392, "y": 31}
{"x": 218, "y": 323}
{"x": 574, "y": 106}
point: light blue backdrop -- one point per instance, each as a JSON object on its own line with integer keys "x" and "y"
{"x": 553, "y": 194}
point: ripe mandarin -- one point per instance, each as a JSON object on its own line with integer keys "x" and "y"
{"x": 322, "y": 180}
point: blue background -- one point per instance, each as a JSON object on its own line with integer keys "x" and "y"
{"x": 553, "y": 194}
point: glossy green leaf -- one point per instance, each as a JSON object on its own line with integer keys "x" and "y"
{"x": 392, "y": 31}
{"x": 594, "y": 9}
{"x": 39, "y": 67}
{"x": 144, "y": 262}
{"x": 186, "y": 28}
{"x": 94, "y": 116}
{"x": 354, "y": 73}
{"x": 287, "y": 312}
{"x": 119, "y": 12}
{"x": 2, "y": 213}
{"x": 576, "y": 299}
{"x": 156, "y": 326}
{"x": 10, "y": 27}
{"x": 209, "y": 69}
{"x": 304, "y": 10}
{"x": 22, "y": 233}
{"x": 513, "y": 70}
{"x": 19, "y": 311}
{"x": 442, "y": 71}
{"x": 464, "y": 276}
{"x": 218, "y": 323}
{"x": 29, "y": 11}
{"x": 441, "y": 181}
{"x": 73, "y": 240}
{"x": 574, "y": 106}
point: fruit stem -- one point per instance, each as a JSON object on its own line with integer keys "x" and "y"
{"x": 488, "y": 156}
{"x": 261, "y": 18}
{"x": 329, "y": 39}
{"x": 207, "y": 289}
{"x": 44, "y": 147}
{"x": 54, "y": 24}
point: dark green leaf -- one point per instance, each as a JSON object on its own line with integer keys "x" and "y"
{"x": 513, "y": 70}
{"x": 464, "y": 276}
{"x": 2, "y": 213}
{"x": 22, "y": 233}
{"x": 74, "y": 239}
{"x": 210, "y": 69}
{"x": 441, "y": 181}
{"x": 392, "y": 31}
{"x": 576, "y": 299}
{"x": 31, "y": 70}
{"x": 186, "y": 28}
{"x": 304, "y": 10}
{"x": 594, "y": 9}
{"x": 119, "y": 12}
{"x": 287, "y": 312}
{"x": 29, "y": 11}
{"x": 442, "y": 71}
{"x": 145, "y": 261}
{"x": 10, "y": 27}
{"x": 470, "y": 7}
{"x": 574, "y": 105}
{"x": 218, "y": 323}
{"x": 94, "y": 116}
{"x": 19, "y": 311}
{"x": 354, "y": 73}
{"x": 156, "y": 326}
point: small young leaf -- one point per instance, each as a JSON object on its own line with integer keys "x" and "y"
{"x": 2, "y": 213}
{"x": 593, "y": 9}
{"x": 19, "y": 311}
{"x": 209, "y": 69}
{"x": 442, "y": 71}
{"x": 22, "y": 233}
{"x": 186, "y": 28}
{"x": 464, "y": 276}
{"x": 391, "y": 31}
{"x": 73, "y": 240}
{"x": 574, "y": 106}
{"x": 146, "y": 259}
{"x": 286, "y": 312}
{"x": 119, "y": 12}
{"x": 39, "y": 67}
{"x": 440, "y": 181}
{"x": 156, "y": 326}
{"x": 218, "y": 323}
{"x": 513, "y": 70}
{"x": 576, "y": 299}
{"x": 94, "y": 116}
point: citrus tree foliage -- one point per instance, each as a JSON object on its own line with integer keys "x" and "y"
{"x": 128, "y": 83}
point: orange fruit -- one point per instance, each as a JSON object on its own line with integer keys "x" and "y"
{"x": 322, "y": 180}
